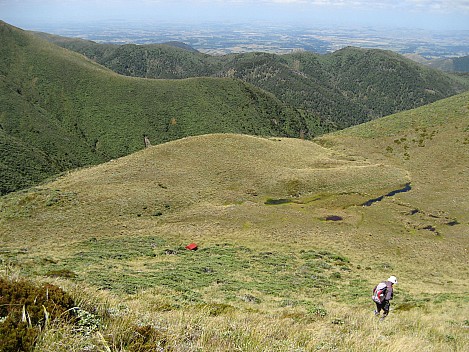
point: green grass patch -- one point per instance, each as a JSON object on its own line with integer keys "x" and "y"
{"x": 130, "y": 264}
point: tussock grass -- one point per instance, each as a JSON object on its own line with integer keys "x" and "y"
{"x": 433, "y": 328}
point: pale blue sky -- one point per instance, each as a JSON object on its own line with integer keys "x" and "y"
{"x": 427, "y": 14}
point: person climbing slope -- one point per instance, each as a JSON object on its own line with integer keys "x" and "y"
{"x": 382, "y": 294}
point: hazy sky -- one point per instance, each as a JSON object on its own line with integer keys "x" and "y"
{"x": 428, "y": 14}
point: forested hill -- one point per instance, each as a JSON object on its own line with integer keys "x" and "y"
{"x": 344, "y": 88}
{"x": 59, "y": 110}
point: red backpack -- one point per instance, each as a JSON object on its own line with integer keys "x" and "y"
{"x": 379, "y": 292}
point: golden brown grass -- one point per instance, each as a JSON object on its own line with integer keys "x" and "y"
{"x": 431, "y": 327}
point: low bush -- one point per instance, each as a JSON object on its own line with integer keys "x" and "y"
{"x": 26, "y": 309}
{"x": 146, "y": 338}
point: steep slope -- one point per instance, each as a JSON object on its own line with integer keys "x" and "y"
{"x": 77, "y": 112}
{"x": 461, "y": 64}
{"x": 333, "y": 91}
{"x": 300, "y": 81}
{"x": 286, "y": 244}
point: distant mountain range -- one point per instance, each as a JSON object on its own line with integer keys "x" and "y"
{"x": 61, "y": 110}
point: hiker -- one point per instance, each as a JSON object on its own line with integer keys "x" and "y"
{"x": 382, "y": 294}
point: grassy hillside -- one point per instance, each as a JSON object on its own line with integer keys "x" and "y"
{"x": 430, "y": 142}
{"x": 67, "y": 111}
{"x": 333, "y": 91}
{"x": 287, "y": 255}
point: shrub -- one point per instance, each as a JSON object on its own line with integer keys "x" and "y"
{"x": 62, "y": 273}
{"x": 26, "y": 309}
{"x": 146, "y": 338}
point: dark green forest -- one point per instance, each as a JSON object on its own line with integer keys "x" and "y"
{"x": 337, "y": 90}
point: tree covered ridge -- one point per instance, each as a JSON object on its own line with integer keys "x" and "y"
{"x": 337, "y": 90}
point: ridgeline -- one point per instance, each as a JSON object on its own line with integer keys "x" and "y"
{"x": 337, "y": 90}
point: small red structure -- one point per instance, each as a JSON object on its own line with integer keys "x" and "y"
{"x": 191, "y": 247}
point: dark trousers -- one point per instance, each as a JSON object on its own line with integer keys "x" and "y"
{"x": 384, "y": 306}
